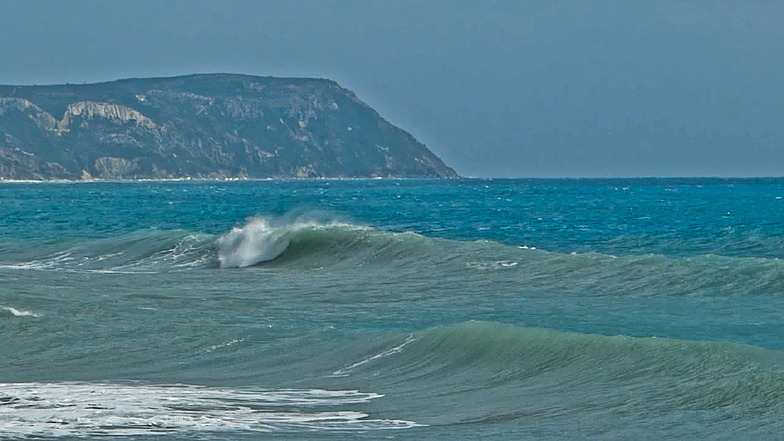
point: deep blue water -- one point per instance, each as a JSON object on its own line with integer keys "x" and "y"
{"x": 504, "y": 309}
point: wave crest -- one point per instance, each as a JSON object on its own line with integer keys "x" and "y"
{"x": 263, "y": 239}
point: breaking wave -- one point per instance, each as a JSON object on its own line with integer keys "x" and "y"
{"x": 264, "y": 239}
{"x": 306, "y": 244}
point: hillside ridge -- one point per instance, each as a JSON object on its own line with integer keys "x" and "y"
{"x": 209, "y": 126}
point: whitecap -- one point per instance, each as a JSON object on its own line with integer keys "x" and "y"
{"x": 500, "y": 264}
{"x": 18, "y": 312}
{"x": 225, "y": 344}
{"x": 255, "y": 242}
{"x": 263, "y": 239}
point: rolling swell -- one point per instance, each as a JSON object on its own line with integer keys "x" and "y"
{"x": 308, "y": 244}
{"x": 303, "y": 243}
{"x": 544, "y": 375}
{"x": 140, "y": 251}
{"x": 261, "y": 240}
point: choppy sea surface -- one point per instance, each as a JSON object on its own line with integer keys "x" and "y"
{"x": 383, "y": 309}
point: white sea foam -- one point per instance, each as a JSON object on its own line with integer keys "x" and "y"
{"x": 18, "y": 312}
{"x": 497, "y": 265}
{"x": 256, "y": 242}
{"x": 100, "y": 409}
{"x": 225, "y": 345}
{"x": 54, "y": 261}
{"x": 262, "y": 239}
{"x": 111, "y": 271}
{"x": 395, "y": 350}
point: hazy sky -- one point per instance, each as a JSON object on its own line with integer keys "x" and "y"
{"x": 495, "y": 88}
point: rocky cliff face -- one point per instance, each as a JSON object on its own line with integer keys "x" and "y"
{"x": 202, "y": 126}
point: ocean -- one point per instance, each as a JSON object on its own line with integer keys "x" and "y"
{"x": 393, "y": 309}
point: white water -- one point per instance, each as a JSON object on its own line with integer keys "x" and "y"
{"x": 256, "y": 242}
{"x": 264, "y": 239}
{"x": 395, "y": 350}
{"x": 78, "y": 409}
{"x": 18, "y": 312}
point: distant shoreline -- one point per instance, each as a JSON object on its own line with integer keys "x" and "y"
{"x": 189, "y": 179}
{"x": 672, "y": 179}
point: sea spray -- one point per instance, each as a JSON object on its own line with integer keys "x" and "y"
{"x": 263, "y": 239}
{"x": 255, "y": 242}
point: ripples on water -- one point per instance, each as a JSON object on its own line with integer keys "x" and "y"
{"x": 361, "y": 309}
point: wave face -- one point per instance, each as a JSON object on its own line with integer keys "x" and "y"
{"x": 544, "y": 284}
{"x": 532, "y": 382}
{"x": 306, "y": 244}
{"x": 140, "y": 251}
{"x": 542, "y": 376}
{"x": 398, "y": 309}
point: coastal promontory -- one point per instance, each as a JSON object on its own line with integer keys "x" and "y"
{"x": 211, "y": 126}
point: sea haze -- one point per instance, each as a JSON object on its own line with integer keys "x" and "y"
{"x": 368, "y": 309}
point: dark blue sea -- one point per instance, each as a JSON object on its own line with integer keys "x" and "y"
{"x": 385, "y": 309}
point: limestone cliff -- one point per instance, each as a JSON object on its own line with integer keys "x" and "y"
{"x": 202, "y": 126}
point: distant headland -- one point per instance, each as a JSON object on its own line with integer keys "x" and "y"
{"x": 208, "y": 126}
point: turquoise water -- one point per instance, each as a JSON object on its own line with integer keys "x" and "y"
{"x": 382, "y": 309}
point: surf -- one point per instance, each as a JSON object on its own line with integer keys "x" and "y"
{"x": 263, "y": 239}
{"x": 73, "y": 409}
{"x": 309, "y": 243}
